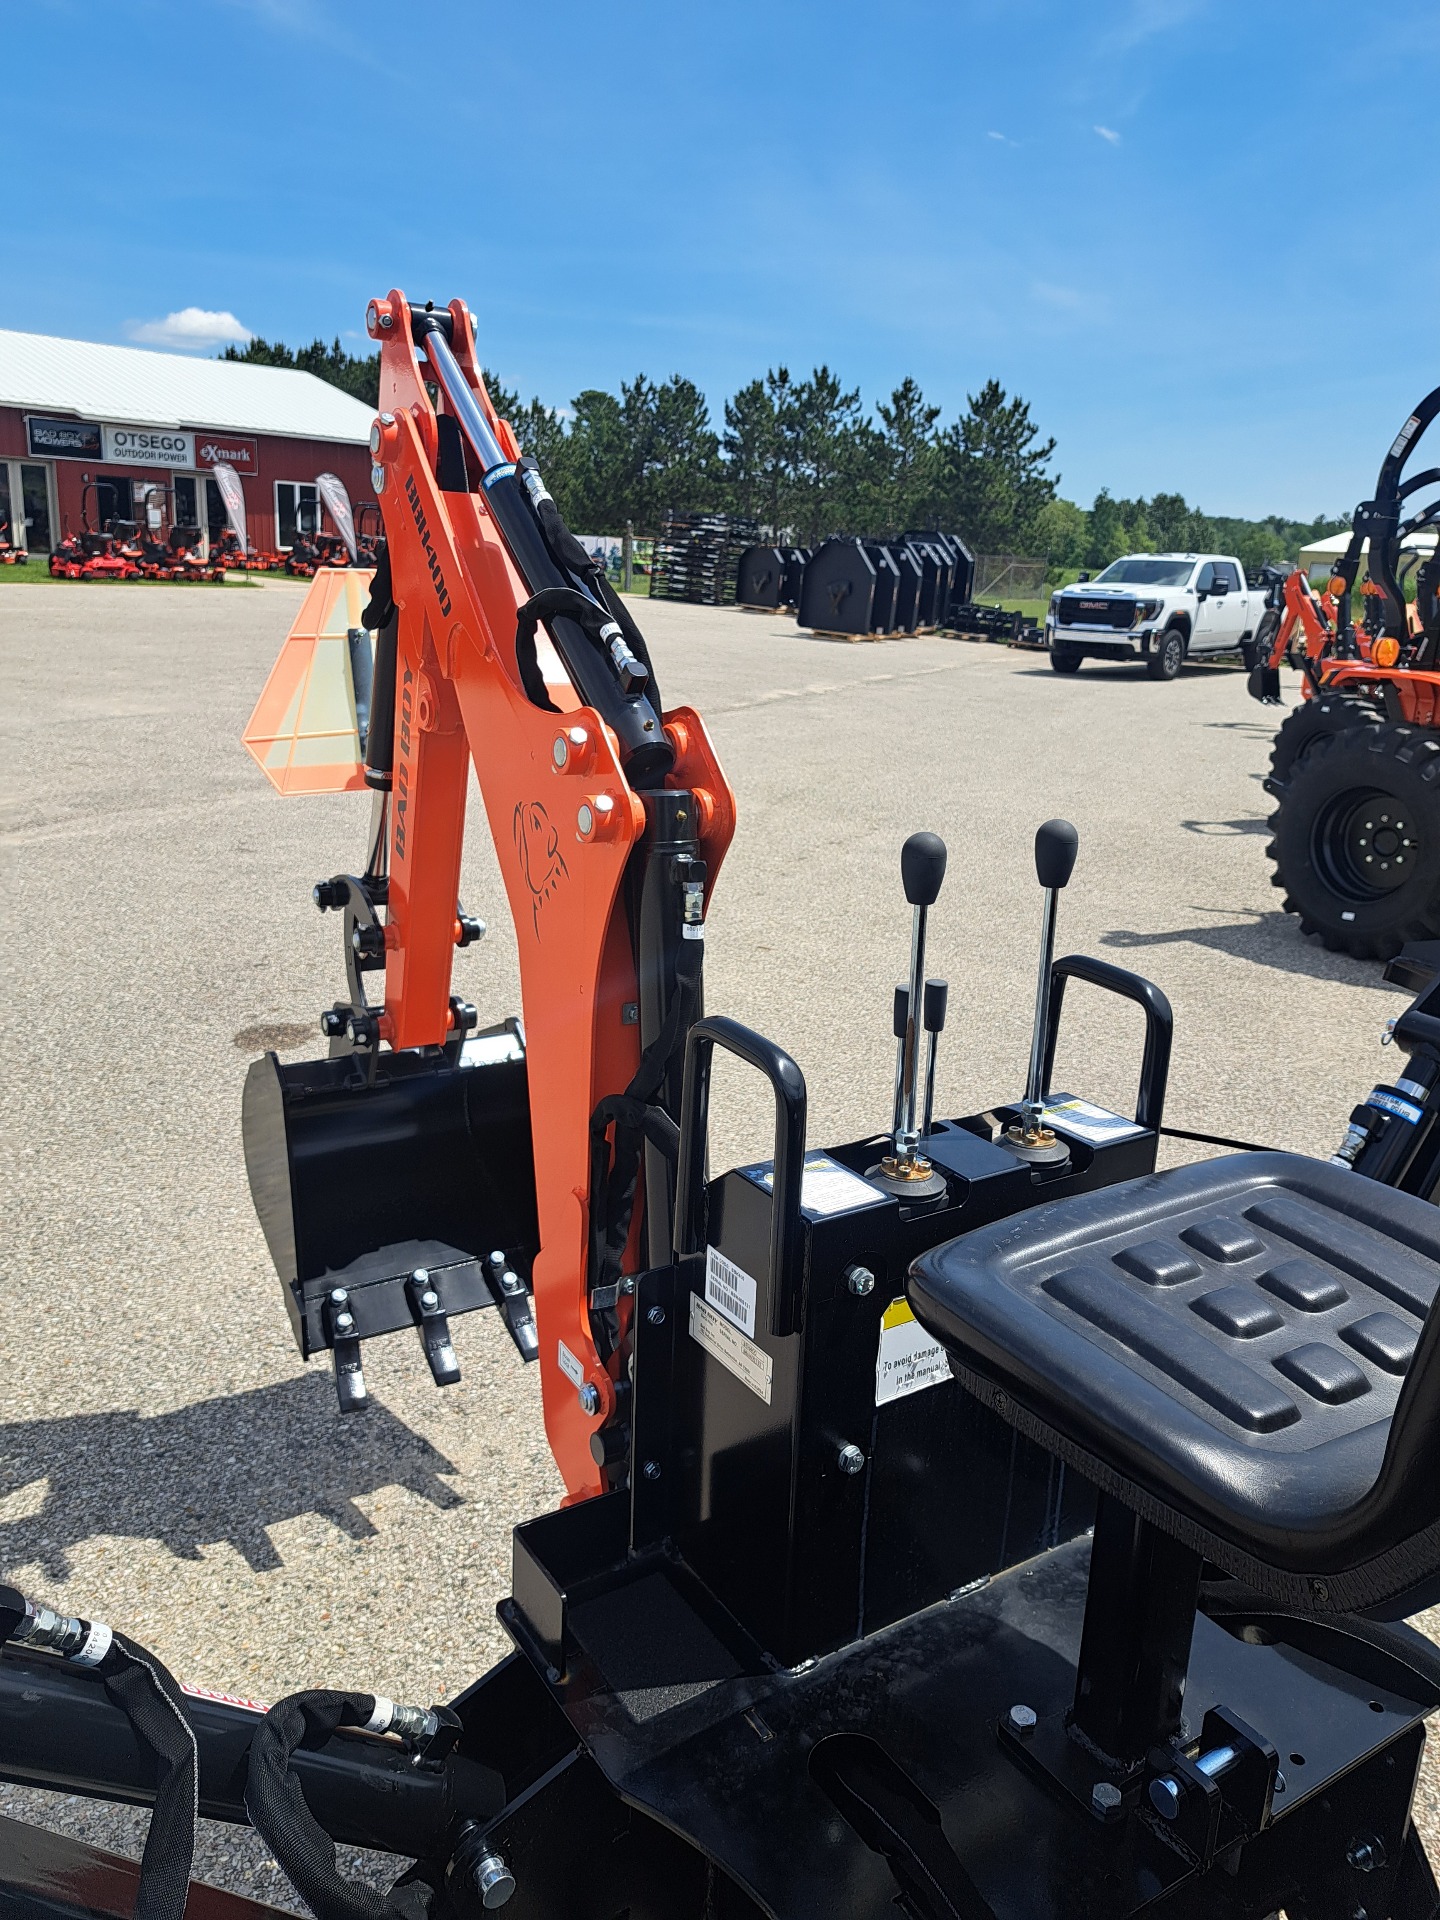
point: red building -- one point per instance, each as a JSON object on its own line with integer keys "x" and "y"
{"x": 91, "y": 433}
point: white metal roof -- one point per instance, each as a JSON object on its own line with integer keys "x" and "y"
{"x": 1333, "y": 546}
{"x": 136, "y": 386}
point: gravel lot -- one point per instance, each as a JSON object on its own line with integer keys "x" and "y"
{"x": 168, "y": 1463}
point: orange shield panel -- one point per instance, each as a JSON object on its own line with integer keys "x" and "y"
{"x": 305, "y": 731}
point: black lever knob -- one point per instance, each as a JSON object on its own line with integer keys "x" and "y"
{"x": 1056, "y": 845}
{"x": 937, "y": 992}
{"x": 922, "y": 868}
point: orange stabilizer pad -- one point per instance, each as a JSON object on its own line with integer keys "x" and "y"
{"x": 304, "y": 735}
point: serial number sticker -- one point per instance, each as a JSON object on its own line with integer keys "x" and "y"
{"x": 909, "y": 1360}
{"x": 730, "y": 1289}
{"x": 825, "y": 1186}
{"x": 570, "y": 1366}
{"x": 1392, "y": 1103}
{"x": 1095, "y": 1124}
{"x": 751, "y": 1365}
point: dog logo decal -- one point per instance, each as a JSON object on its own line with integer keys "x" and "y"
{"x": 541, "y": 861}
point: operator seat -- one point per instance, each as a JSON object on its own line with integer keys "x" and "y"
{"x": 1244, "y": 1353}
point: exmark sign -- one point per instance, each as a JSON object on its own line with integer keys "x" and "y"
{"x": 148, "y": 447}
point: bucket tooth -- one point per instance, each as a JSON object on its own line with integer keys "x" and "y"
{"x": 350, "y": 1388}
{"x": 428, "y": 1308}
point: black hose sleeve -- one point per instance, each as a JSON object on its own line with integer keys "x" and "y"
{"x": 380, "y": 608}
{"x": 567, "y": 552}
{"x": 277, "y": 1808}
{"x": 545, "y": 605}
{"x": 152, "y": 1703}
{"x": 150, "y": 1698}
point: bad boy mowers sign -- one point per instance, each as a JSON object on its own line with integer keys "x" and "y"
{"x": 149, "y": 447}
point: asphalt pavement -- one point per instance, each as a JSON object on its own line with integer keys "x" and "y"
{"x": 167, "y": 1462}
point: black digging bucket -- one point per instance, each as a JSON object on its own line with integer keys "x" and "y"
{"x": 359, "y": 1183}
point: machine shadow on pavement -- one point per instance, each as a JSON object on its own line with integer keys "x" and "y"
{"x": 219, "y": 1471}
{"x": 1268, "y": 939}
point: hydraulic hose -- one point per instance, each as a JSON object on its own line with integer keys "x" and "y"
{"x": 603, "y": 665}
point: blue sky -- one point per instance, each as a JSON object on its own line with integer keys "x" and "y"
{"x": 1193, "y": 233}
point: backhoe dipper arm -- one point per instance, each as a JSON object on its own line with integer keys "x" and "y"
{"x": 473, "y": 539}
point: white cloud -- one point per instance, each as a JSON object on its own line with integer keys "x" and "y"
{"x": 1109, "y": 133}
{"x": 192, "y": 329}
{"x": 1003, "y": 138}
{"x": 1147, "y": 18}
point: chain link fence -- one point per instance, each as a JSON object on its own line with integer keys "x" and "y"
{"x": 1006, "y": 576}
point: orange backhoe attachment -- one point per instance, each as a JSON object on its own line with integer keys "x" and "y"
{"x": 506, "y": 651}
{"x": 1303, "y": 611}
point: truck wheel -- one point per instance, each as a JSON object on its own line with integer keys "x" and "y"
{"x": 1304, "y": 725}
{"x": 1164, "y": 664}
{"x": 1064, "y": 658}
{"x": 1357, "y": 840}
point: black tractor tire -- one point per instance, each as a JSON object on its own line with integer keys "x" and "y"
{"x": 1357, "y": 840}
{"x": 1304, "y": 725}
{"x": 1166, "y": 661}
{"x": 1064, "y": 658}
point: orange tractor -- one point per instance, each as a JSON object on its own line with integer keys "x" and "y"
{"x": 1356, "y": 767}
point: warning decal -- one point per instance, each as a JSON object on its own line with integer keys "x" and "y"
{"x": 909, "y": 1360}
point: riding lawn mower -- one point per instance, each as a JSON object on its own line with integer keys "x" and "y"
{"x": 963, "y": 1522}
{"x": 1355, "y": 766}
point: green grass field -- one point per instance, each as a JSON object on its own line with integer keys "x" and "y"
{"x": 36, "y": 573}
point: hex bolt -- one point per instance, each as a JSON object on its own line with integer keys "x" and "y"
{"x": 1021, "y": 1720}
{"x": 655, "y": 1316}
{"x": 339, "y": 1295}
{"x": 1105, "y": 1799}
{"x": 860, "y": 1281}
{"x": 651, "y": 1469}
{"x": 344, "y": 1322}
{"x": 511, "y": 1282}
{"x": 494, "y": 1881}
{"x": 1365, "y": 1855}
{"x": 429, "y": 1298}
{"x": 850, "y": 1459}
{"x": 572, "y": 740}
{"x": 589, "y": 1398}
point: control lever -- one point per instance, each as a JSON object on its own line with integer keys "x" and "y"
{"x": 937, "y": 992}
{"x": 904, "y": 1169}
{"x": 902, "y": 1015}
{"x": 1056, "y": 845}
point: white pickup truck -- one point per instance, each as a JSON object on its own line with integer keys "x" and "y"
{"x": 1162, "y": 608}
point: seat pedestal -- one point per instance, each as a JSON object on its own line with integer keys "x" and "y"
{"x": 1135, "y": 1645}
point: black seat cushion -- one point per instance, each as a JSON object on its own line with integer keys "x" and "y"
{"x": 1239, "y": 1349}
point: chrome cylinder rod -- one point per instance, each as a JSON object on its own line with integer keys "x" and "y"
{"x": 462, "y": 402}
{"x": 907, "y": 1133}
{"x": 1033, "y": 1105}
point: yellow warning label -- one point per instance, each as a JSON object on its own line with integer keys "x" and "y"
{"x": 909, "y": 1360}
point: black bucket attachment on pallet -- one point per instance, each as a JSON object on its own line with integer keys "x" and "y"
{"x": 396, "y": 1199}
{"x": 837, "y": 594}
{"x": 761, "y": 577}
{"x": 887, "y": 587}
